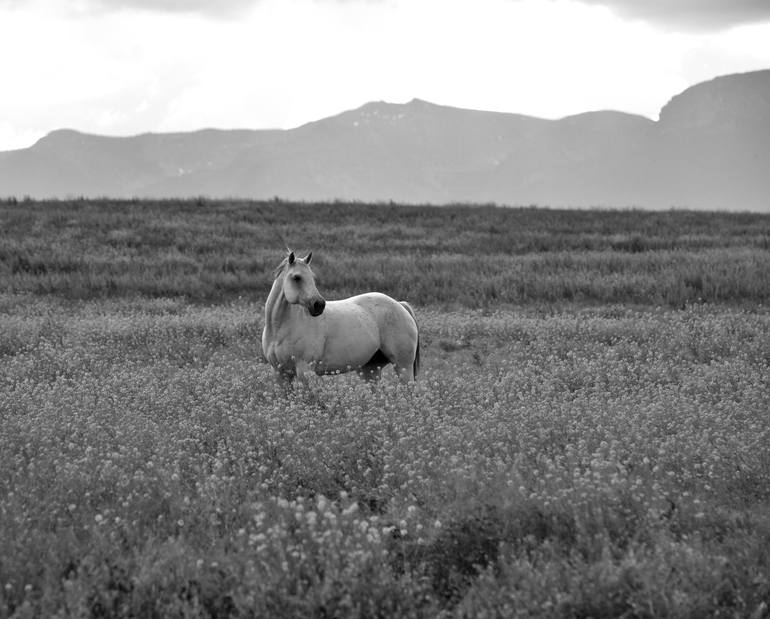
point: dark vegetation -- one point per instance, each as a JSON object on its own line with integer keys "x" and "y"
{"x": 210, "y": 251}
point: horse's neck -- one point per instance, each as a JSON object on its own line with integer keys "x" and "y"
{"x": 278, "y": 311}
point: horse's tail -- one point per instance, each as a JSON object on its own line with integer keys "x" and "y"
{"x": 416, "y": 365}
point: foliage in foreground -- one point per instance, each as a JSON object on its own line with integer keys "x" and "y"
{"x": 597, "y": 462}
{"x": 454, "y": 256}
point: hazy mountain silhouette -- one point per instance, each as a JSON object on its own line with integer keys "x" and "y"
{"x": 710, "y": 149}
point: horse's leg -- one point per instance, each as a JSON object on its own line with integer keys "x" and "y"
{"x": 285, "y": 377}
{"x": 405, "y": 372}
{"x": 402, "y": 353}
{"x": 304, "y": 370}
{"x": 402, "y": 358}
{"x": 401, "y": 344}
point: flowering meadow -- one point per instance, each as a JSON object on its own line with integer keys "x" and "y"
{"x": 589, "y": 435}
{"x": 599, "y": 461}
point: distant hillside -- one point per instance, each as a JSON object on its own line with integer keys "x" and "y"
{"x": 709, "y": 150}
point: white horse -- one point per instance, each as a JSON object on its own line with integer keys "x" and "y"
{"x": 363, "y": 333}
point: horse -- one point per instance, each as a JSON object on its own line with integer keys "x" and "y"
{"x": 363, "y": 333}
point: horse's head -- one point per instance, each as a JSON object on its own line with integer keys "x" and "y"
{"x": 299, "y": 284}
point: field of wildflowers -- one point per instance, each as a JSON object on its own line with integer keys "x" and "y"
{"x": 586, "y": 462}
{"x": 569, "y": 456}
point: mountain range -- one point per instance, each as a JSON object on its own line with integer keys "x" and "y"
{"x": 710, "y": 149}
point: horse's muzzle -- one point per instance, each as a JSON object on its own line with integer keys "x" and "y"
{"x": 317, "y": 308}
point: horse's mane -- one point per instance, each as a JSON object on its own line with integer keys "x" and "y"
{"x": 279, "y": 269}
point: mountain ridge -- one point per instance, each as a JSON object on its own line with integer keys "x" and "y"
{"x": 707, "y": 150}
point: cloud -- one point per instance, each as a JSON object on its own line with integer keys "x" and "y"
{"x": 691, "y": 14}
{"x": 220, "y": 7}
{"x": 207, "y": 7}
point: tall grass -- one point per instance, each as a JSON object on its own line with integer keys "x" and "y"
{"x": 453, "y": 256}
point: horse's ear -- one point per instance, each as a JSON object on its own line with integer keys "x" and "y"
{"x": 309, "y": 257}
{"x": 291, "y": 257}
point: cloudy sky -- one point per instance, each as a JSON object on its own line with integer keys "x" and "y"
{"x": 122, "y": 67}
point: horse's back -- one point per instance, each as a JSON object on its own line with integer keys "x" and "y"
{"x": 384, "y": 309}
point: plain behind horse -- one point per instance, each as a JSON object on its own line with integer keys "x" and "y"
{"x": 363, "y": 333}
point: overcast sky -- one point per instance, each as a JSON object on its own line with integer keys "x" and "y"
{"x": 121, "y": 67}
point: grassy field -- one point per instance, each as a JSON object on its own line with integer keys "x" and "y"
{"x": 452, "y": 256}
{"x": 589, "y": 436}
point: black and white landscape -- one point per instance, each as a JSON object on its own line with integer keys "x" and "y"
{"x": 525, "y": 374}
{"x": 710, "y": 149}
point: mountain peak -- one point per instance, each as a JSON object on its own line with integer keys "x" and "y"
{"x": 60, "y": 136}
{"x": 421, "y": 103}
{"x": 373, "y": 112}
{"x": 723, "y": 100}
